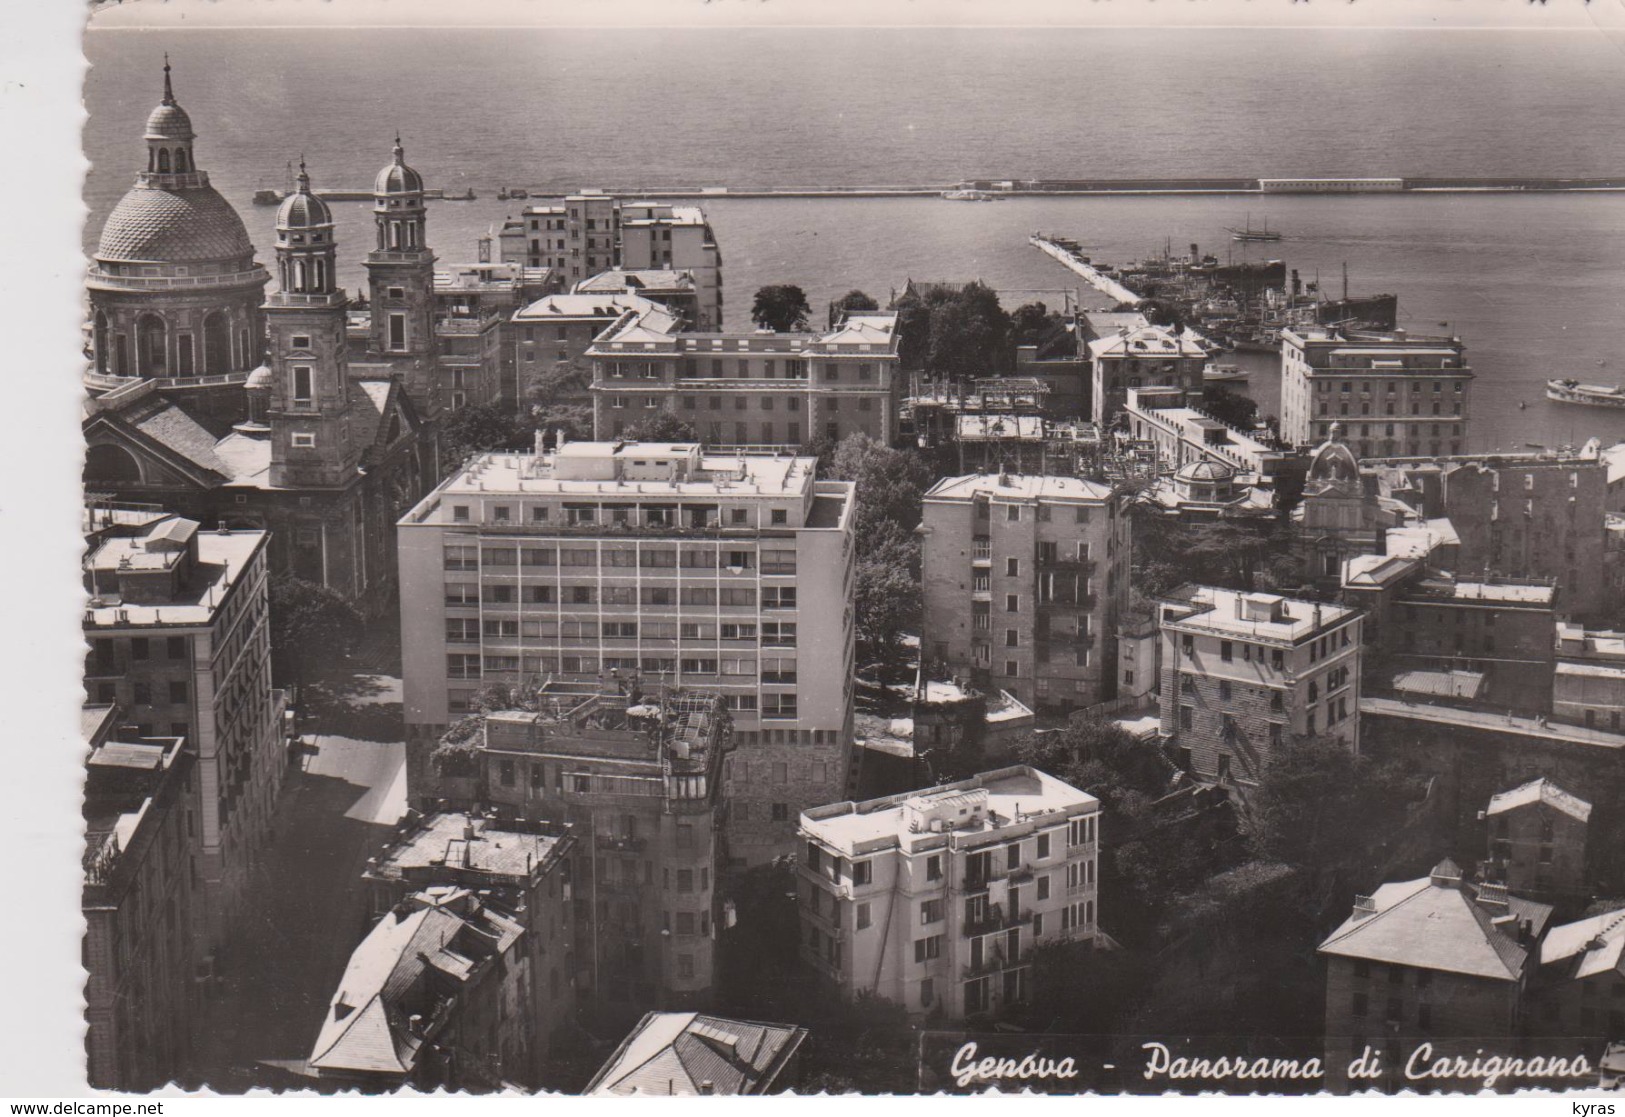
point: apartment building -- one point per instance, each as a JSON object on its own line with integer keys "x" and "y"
{"x": 731, "y": 573}
{"x": 434, "y": 996}
{"x": 1418, "y": 617}
{"x": 688, "y": 1054}
{"x": 559, "y": 329}
{"x": 1537, "y": 839}
{"x": 586, "y": 234}
{"x": 1024, "y": 580}
{"x": 637, "y": 775}
{"x": 1394, "y": 393}
{"x": 179, "y": 633}
{"x": 1525, "y": 515}
{"x": 935, "y": 899}
{"x": 657, "y": 235}
{"x": 1182, "y": 435}
{"x": 474, "y": 311}
{"x": 528, "y": 869}
{"x": 137, "y": 900}
{"x": 1580, "y": 988}
{"x": 1441, "y": 959}
{"x": 1244, "y": 672}
{"x": 762, "y": 389}
{"x": 1589, "y": 683}
{"x": 674, "y": 290}
{"x": 1143, "y": 357}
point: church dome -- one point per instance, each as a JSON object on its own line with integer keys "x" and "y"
{"x": 259, "y": 379}
{"x": 169, "y": 122}
{"x": 397, "y": 177}
{"x": 303, "y": 210}
{"x": 179, "y": 226}
{"x": 1205, "y": 471}
{"x": 1333, "y": 462}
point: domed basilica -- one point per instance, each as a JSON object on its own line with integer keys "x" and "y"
{"x": 230, "y": 406}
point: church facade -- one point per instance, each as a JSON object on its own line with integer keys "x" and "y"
{"x": 233, "y": 407}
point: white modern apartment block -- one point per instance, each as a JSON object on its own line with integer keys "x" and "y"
{"x": 935, "y": 899}
{"x": 609, "y": 560}
{"x": 1244, "y": 672}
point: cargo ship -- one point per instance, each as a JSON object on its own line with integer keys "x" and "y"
{"x": 1588, "y": 395}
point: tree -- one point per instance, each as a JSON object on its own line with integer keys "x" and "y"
{"x": 1230, "y": 408}
{"x": 1031, "y": 323}
{"x": 560, "y": 400}
{"x": 312, "y": 626}
{"x": 780, "y": 307}
{"x": 662, "y": 426}
{"x": 953, "y": 331}
{"x": 481, "y": 427}
{"x": 1321, "y": 806}
{"x": 886, "y": 603}
{"x": 850, "y": 303}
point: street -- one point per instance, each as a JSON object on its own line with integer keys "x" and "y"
{"x": 307, "y": 909}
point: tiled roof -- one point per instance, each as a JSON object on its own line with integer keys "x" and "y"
{"x": 1438, "y": 923}
{"x": 174, "y": 226}
{"x": 1591, "y": 946}
{"x": 1542, "y": 790}
{"x": 679, "y": 1052}
{"x": 184, "y": 435}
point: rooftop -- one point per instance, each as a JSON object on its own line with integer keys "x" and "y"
{"x": 1019, "y": 486}
{"x": 1542, "y": 790}
{"x": 664, "y": 280}
{"x": 1453, "y": 683}
{"x": 970, "y": 812}
{"x": 1590, "y": 946}
{"x": 1262, "y": 616}
{"x": 1149, "y": 343}
{"x": 396, "y": 992}
{"x": 676, "y": 728}
{"x": 1537, "y": 728}
{"x": 463, "y": 843}
{"x": 690, "y": 1053}
{"x": 606, "y": 306}
{"x": 222, "y": 557}
{"x": 629, "y": 473}
{"x": 1442, "y": 922}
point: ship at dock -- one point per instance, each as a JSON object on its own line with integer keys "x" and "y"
{"x": 1239, "y": 305}
{"x": 1587, "y": 395}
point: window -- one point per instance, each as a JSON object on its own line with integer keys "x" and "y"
{"x": 863, "y": 916}
{"x": 1043, "y": 888}
{"x": 304, "y": 441}
{"x": 138, "y": 647}
{"x": 862, "y": 872}
{"x": 178, "y": 690}
{"x": 927, "y": 949}
{"x": 1012, "y": 567}
{"x": 931, "y": 911}
{"x": 1226, "y": 651}
{"x": 933, "y": 867}
{"x": 176, "y": 647}
{"x": 301, "y": 384}
{"x": 1043, "y": 847}
{"x": 1012, "y": 603}
{"x": 781, "y": 812}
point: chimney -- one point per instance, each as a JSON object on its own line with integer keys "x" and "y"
{"x": 415, "y": 1024}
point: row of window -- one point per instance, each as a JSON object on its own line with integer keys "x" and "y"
{"x": 663, "y": 515}
{"x": 1393, "y": 386}
{"x": 469, "y": 594}
{"x": 772, "y": 634}
{"x": 465, "y": 557}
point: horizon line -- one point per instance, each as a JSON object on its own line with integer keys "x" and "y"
{"x": 1591, "y": 29}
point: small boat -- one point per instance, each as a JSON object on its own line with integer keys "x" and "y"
{"x": 1224, "y": 374}
{"x": 267, "y": 197}
{"x": 1252, "y": 234}
{"x": 1589, "y": 395}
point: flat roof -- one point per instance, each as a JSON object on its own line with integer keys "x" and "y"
{"x": 1215, "y": 611}
{"x": 439, "y": 839}
{"x": 1538, "y": 728}
{"x": 515, "y": 473}
{"x": 222, "y": 558}
{"x": 1014, "y": 796}
{"x": 1019, "y": 486}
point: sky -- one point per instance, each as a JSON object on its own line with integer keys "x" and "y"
{"x": 1571, "y": 15}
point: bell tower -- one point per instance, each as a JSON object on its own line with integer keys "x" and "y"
{"x": 308, "y": 409}
{"x": 400, "y": 281}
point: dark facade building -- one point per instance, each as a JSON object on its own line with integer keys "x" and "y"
{"x": 1537, "y": 839}
{"x": 637, "y": 775}
{"x": 687, "y": 1054}
{"x": 140, "y": 996}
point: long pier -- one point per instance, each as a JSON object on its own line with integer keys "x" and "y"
{"x": 1092, "y": 276}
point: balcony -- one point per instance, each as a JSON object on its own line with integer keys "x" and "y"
{"x": 994, "y": 960}
{"x": 981, "y": 553}
{"x": 995, "y": 919}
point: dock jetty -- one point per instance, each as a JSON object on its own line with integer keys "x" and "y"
{"x": 1067, "y": 253}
